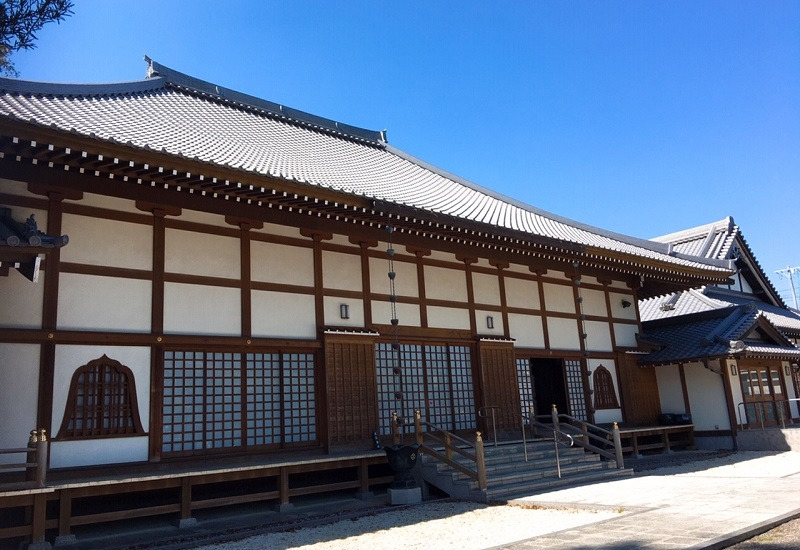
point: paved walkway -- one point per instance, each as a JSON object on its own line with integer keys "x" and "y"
{"x": 705, "y": 505}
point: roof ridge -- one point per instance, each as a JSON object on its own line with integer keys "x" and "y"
{"x": 202, "y": 87}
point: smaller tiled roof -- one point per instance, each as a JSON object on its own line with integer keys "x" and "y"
{"x": 723, "y": 240}
{"x": 712, "y": 334}
{"x": 25, "y": 234}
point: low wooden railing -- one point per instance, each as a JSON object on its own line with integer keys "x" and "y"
{"x": 451, "y": 443}
{"x": 35, "y": 464}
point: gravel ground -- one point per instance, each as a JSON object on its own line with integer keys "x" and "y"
{"x": 783, "y": 537}
{"x": 453, "y": 524}
{"x": 450, "y": 524}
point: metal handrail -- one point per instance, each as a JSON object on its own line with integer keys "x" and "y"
{"x": 491, "y": 409}
{"x": 746, "y": 425}
{"x": 556, "y": 439}
{"x": 588, "y": 432}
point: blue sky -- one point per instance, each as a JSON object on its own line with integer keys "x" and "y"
{"x": 638, "y": 117}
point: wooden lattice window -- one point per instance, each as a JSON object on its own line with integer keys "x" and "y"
{"x": 433, "y": 379}
{"x": 577, "y": 400}
{"x": 227, "y": 400}
{"x": 101, "y": 402}
{"x": 604, "y": 395}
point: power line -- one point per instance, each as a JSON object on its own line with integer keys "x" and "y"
{"x": 789, "y": 272}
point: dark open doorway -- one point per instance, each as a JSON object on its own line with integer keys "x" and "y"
{"x": 548, "y": 383}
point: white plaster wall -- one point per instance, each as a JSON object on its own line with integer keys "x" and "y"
{"x": 443, "y": 256}
{"x": 625, "y": 335}
{"x": 279, "y": 263}
{"x": 486, "y": 289}
{"x": 343, "y": 240}
{"x": 90, "y": 302}
{"x": 21, "y": 306}
{"x": 283, "y": 230}
{"x": 522, "y": 293}
{"x": 207, "y": 218}
{"x": 108, "y": 450}
{"x": 98, "y": 241}
{"x": 594, "y": 302}
{"x": 736, "y": 389}
{"x": 408, "y": 314}
{"x": 603, "y": 416}
{"x": 563, "y": 333}
{"x": 202, "y": 254}
{"x": 405, "y": 281}
{"x": 598, "y": 336}
{"x": 619, "y": 312}
{"x": 526, "y": 330}
{"x": 445, "y": 284}
{"x": 333, "y": 316}
{"x": 19, "y": 387}
{"x": 559, "y": 298}
{"x": 670, "y": 392}
{"x": 482, "y": 323}
{"x": 13, "y": 187}
{"x": 284, "y": 315}
{"x": 93, "y": 452}
{"x": 110, "y": 203}
{"x": 448, "y": 317}
{"x": 341, "y": 271}
{"x": 200, "y": 309}
{"x": 706, "y": 398}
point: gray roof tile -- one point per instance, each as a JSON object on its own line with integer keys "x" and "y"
{"x": 178, "y": 115}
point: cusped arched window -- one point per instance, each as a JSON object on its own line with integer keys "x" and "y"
{"x": 101, "y": 402}
{"x": 604, "y": 395}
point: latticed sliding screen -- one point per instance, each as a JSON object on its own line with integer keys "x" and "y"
{"x": 527, "y": 392}
{"x": 434, "y": 379}
{"x": 218, "y": 400}
{"x": 577, "y": 399}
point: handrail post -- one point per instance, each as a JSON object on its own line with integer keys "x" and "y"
{"x": 31, "y": 473}
{"x": 41, "y": 458}
{"x": 395, "y": 434}
{"x": 618, "y": 446}
{"x": 494, "y": 426}
{"x": 524, "y": 442}
{"x": 480, "y": 461}
{"x": 585, "y": 430}
{"x": 448, "y": 446}
{"x": 418, "y": 427}
{"x": 554, "y": 415}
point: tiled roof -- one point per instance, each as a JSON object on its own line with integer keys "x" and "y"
{"x": 785, "y": 319}
{"x": 713, "y": 240}
{"x": 178, "y": 115}
{"x": 711, "y": 334}
{"x": 723, "y": 240}
{"x": 713, "y": 298}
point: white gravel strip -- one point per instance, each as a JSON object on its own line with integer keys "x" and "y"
{"x": 461, "y": 525}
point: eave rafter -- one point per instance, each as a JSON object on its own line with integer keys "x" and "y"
{"x": 71, "y": 152}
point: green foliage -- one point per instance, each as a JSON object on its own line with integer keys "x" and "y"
{"x": 20, "y": 20}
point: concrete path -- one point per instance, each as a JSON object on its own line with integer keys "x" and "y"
{"x": 710, "y": 504}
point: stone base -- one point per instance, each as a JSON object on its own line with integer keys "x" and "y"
{"x": 285, "y": 507}
{"x": 65, "y": 540}
{"x": 187, "y": 523}
{"x": 399, "y": 497}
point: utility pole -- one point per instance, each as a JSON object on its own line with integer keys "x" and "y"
{"x": 789, "y": 272}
